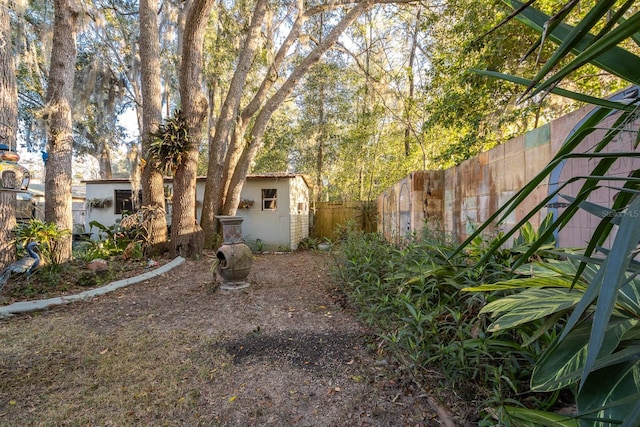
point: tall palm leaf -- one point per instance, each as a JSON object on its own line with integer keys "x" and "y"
{"x": 619, "y": 222}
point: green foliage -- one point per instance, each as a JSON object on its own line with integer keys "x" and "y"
{"x": 413, "y": 298}
{"x": 47, "y": 235}
{"x": 256, "y": 245}
{"x": 169, "y": 144}
{"x": 596, "y": 300}
{"x": 99, "y": 203}
{"x": 548, "y": 292}
{"x": 114, "y": 240}
{"x": 468, "y": 114}
{"x": 341, "y": 127}
{"x": 137, "y": 226}
{"x": 51, "y": 275}
{"x": 531, "y": 417}
{"x": 125, "y": 242}
{"x": 280, "y": 145}
{"x": 308, "y": 243}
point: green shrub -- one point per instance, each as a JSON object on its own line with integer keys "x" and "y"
{"x": 308, "y": 243}
{"x": 47, "y": 235}
{"x": 412, "y": 297}
{"x": 116, "y": 240}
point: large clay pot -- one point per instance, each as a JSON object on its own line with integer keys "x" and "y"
{"x": 234, "y": 257}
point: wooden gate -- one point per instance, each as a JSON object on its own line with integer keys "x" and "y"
{"x": 330, "y": 215}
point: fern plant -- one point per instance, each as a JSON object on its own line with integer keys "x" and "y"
{"x": 46, "y": 234}
{"x": 169, "y": 144}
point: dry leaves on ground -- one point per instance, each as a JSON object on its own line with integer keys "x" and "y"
{"x": 174, "y": 350}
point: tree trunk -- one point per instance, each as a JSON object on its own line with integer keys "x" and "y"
{"x": 57, "y": 208}
{"x": 8, "y": 221}
{"x": 264, "y": 116}
{"x": 410, "y": 71}
{"x": 187, "y": 238}
{"x": 213, "y": 238}
{"x": 9, "y": 123}
{"x": 152, "y": 180}
{"x": 104, "y": 160}
{"x": 219, "y": 147}
{"x": 221, "y": 167}
{"x": 321, "y": 131}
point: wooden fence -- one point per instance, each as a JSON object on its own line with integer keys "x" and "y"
{"x": 330, "y": 215}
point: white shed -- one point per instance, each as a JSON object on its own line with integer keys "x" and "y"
{"x": 275, "y": 207}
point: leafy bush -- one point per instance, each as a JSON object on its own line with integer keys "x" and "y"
{"x": 47, "y": 235}
{"x": 308, "y": 243}
{"x": 413, "y": 298}
{"x": 49, "y": 275}
{"x": 115, "y": 240}
{"x": 257, "y": 246}
{"x": 594, "y": 343}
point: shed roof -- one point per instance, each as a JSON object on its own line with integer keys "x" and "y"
{"x": 267, "y": 175}
{"x": 37, "y": 190}
{"x": 271, "y": 175}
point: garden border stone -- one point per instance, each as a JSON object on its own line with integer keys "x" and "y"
{"x": 37, "y": 305}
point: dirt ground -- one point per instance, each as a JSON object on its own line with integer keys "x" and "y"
{"x": 175, "y": 350}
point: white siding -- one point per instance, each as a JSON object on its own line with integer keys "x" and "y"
{"x": 105, "y": 216}
{"x": 271, "y": 228}
{"x": 281, "y": 229}
{"x": 299, "y": 211}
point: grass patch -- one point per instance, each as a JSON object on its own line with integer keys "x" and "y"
{"x": 129, "y": 376}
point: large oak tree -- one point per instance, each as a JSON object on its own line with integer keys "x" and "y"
{"x": 8, "y": 127}
{"x": 186, "y": 233}
{"x": 245, "y": 114}
{"x": 60, "y": 128}
{"x": 152, "y": 180}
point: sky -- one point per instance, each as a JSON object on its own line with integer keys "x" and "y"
{"x": 84, "y": 168}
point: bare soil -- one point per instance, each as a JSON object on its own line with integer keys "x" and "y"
{"x": 176, "y": 350}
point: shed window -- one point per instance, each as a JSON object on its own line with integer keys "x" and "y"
{"x": 124, "y": 201}
{"x": 269, "y": 199}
